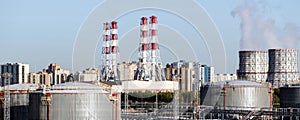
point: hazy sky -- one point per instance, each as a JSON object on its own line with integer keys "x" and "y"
{"x": 43, "y": 32}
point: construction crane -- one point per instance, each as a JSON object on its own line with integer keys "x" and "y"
{"x": 6, "y": 82}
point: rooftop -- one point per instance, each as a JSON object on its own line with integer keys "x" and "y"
{"x": 238, "y": 83}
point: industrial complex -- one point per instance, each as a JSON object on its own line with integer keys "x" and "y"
{"x": 266, "y": 86}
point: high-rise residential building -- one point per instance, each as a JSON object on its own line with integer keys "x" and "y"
{"x": 42, "y": 77}
{"x": 206, "y": 73}
{"x": 59, "y": 75}
{"x": 189, "y": 74}
{"x": 19, "y": 72}
{"x": 33, "y": 78}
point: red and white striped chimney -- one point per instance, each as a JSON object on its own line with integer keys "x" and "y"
{"x": 144, "y": 40}
{"x": 105, "y": 45}
{"x": 153, "y": 47}
{"x": 105, "y": 52}
{"x": 114, "y": 49}
{"x": 153, "y": 35}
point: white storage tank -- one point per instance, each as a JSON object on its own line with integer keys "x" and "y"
{"x": 236, "y": 94}
{"x": 74, "y": 100}
{"x": 19, "y": 100}
{"x": 290, "y": 96}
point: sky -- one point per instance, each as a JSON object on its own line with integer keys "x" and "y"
{"x": 42, "y": 32}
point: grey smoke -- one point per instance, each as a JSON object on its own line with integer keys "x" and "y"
{"x": 261, "y": 33}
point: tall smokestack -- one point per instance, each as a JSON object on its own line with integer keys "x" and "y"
{"x": 142, "y": 70}
{"x": 156, "y": 65}
{"x": 105, "y": 52}
{"x": 153, "y": 43}
{"x": 144, "y": 40}
{"x": 114, "y": 50}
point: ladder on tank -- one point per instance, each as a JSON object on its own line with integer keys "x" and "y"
{"x": 5, "y": 98}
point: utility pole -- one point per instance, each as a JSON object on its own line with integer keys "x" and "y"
{"x": 6, "y": 80}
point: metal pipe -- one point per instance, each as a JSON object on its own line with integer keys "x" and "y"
{"x": 112, "y": 110}
{"x": 48, "y": 111}
{"x": 271, "y": 102}
{"x": 117, "y": 107}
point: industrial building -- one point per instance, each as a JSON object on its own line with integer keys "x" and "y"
{"x": 149, "y": 66}
{"x": 279, "y": 69}
{"x": 87, "y": 75}
{"x": 222, "y": 77}
{"x": 283, "y": 66}
{"x": 155, "y": 86}
{"x": 19, "y": 72}
{"x": 253, "y": 66}
{"x": 74, "y": 100}
{"x": 127, "y": 70}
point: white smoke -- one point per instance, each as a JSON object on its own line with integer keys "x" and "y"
{"x": 260, "y": 33}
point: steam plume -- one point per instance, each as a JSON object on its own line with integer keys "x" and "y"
{"x": 260, "y": 33}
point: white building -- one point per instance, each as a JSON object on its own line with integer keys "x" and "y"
{"x": 189, "y": 74}
{"x": 18, "y": 71}
{"x": 127, "y": 70}
{"x": 206, "y": 73}
{"x": 40, "y": 78}
{"x": 87, "y": 75}
{"x": 223, "y": 77}
{"x": 59, "y": 75}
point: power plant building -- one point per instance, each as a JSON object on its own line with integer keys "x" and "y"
{"x": 87, "y": 75}
{"x": 222, "y": 77}
{"x": 283, "y": 66}
{"x": 253, "y": 66}
{"x": 127, "y": 70}
{"x": 110, "y": 52}
{"x": 149, "y": 66}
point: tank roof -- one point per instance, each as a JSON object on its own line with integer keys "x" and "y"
{"x": 238, "y": 83}
{"x": 76, "y": 86}
{"x": 297, "y": 85}
{"x": 23, "y": 87}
